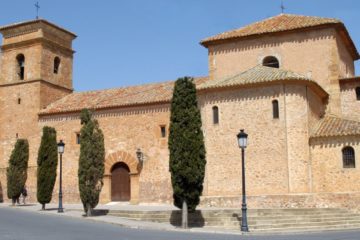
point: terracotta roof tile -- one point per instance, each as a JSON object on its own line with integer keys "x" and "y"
{"x": 117, "y": 97}
{"x": 279, "y": 23}
{"x": 257, "y": 74}
{"x": 332, "y": 126}
{"x": 282, "y": 23}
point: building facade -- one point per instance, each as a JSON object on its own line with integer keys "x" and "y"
{"x": 289, "y": 81}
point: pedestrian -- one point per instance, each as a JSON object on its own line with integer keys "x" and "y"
{"x": 24, "y": 194}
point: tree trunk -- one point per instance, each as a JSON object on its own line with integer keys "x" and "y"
{"x": 13, "y": 202}
{"x": 88, "y": 212}
{"x": 184, "y": 218}
{"x": 43, "y": 206}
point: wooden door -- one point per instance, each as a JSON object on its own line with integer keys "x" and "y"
{"x": 120, "y": 182}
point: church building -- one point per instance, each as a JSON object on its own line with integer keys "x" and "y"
{"x": 288, "y": 81}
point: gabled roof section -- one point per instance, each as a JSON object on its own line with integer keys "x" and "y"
{"x": 282, "y": 23}
{"x": 331, "y": 126}
{"x": 262, "y": 75}
{"x": 155, "y": 93}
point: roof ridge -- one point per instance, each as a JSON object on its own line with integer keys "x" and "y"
{"x": 269, "y": 25}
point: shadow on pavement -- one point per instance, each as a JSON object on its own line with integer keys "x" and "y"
{"x": 98, "y": 212}
{"x": 196, "y": 219}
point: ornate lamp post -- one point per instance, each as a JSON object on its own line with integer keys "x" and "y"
{"x": 61, "y": 147}
{"x": 242, "y": 141}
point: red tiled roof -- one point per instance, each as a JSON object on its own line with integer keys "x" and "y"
{"x": 117, "y": 97}
{"x": 259, "y": 75}
{"x": 331, "y": 126}
{"x": 280, "y": 23}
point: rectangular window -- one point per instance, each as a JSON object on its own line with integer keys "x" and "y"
{"x": 77, "y": 138}
{"x": 163, "y": 131}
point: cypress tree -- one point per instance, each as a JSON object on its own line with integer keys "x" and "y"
{"x": 47, "y": 164}
{"x": 186, "y": 146}
{"x": 91, "y": 162}
{"x": 17, "y": 170}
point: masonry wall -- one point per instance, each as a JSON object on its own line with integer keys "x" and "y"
{"x": 329, "y": 175}
{"x": 125, "y": 130}
{"x": 277, "y": 156}
{"x": 19, "y": 121}
{"x": 349, "y": 103}
{"x": 33, "y": 64}
{"x": 319, "y": 54}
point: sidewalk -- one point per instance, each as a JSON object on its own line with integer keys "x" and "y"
{"x": 76, "y": 211}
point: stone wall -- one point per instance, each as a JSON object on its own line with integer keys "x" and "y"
{"x": 125, "y": 131}
{"x": 277, "y": 157}
{"x": 328, "y": 174}
{"x": 319, "y": 54}
{"x": 349, "y": 103}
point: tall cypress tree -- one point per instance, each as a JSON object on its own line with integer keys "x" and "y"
{"x": 17, "y": 170}
{"x": 47, "y": 164}
{"x": 91, "y": 162}
{"x": 186, "y": 146}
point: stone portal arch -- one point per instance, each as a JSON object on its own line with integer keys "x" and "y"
{"x": 134, "y": 171}
{"x": 124, "y": 157}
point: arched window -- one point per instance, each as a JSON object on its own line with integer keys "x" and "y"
{"x": 348, "y": 155}
{"x": 271, "y": 61}
{"x": 21, "y": 66}
{"x": 357, "y": 90}
{"x": 275, "y": 106}
{"x": 215, "y": 110}
{"x": 56, "y": 64}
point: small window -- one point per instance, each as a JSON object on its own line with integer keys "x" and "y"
{"x": 215, "y": 110}
{"x": 56, "y": 65}
{"x": 275, "y": 106}
{"x": 77, "y": 138}
{"x": 348, "y": 154}
{"x": 21, "y": 66}
{"x": 271, "y": 61}
{"x": 163, "y": 131}
{"x": 357, "y": 90}
{"x": 19, "y": 100}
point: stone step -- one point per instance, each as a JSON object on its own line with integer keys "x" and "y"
{"x": 294, "y": 229}
{"x": 308, "y": 228}
{"x": 287, "y": 217}
{"x": 260, "y": 220}
{"x": 287, "y": 225}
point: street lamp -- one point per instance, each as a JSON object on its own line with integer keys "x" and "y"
{"x": 61, "y": 147}
{"x": 242, "y": 141}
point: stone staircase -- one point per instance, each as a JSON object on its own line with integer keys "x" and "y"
{"x": 259, "y": 220}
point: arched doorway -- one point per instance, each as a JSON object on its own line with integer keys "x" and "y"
{"x": 120, "y": 182}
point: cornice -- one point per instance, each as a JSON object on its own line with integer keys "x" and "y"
{"x": 36, "y": 80}
{"x": 39, "y": 40}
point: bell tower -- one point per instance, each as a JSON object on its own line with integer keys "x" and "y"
{"x": 36, "y": 50}
{"x": 35, "y": 70}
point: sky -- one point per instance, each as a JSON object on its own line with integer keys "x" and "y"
{"x": 122, "y": 43}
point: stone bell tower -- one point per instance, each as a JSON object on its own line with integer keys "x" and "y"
{"x": 36, "y": 70}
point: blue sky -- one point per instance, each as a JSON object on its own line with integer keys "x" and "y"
{"x": 122, "y": 43}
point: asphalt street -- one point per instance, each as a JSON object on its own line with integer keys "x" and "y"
{"x": 17, "y": 224}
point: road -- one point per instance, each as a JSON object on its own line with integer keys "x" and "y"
{"x": 16, "y": 224}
